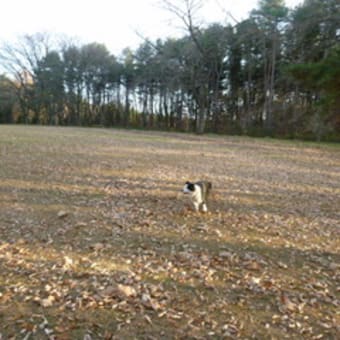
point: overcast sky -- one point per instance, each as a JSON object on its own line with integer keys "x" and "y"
{"x": 112, "y": 22}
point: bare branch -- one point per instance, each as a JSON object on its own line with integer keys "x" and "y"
{"x": 148, "y": 41}
{"x": 21, "y": 58}
{"x": 227, "y": 13}
{"x": 186, "y": 11}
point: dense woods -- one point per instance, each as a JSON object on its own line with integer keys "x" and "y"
{"x": 277, "y": 73}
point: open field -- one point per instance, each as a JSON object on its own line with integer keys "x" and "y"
{"x": 97, "y": 241}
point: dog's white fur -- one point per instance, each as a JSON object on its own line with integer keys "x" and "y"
{"x": 196, "y": 197}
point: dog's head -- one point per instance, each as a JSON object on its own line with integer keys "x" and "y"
{"x": 189, "y": 188}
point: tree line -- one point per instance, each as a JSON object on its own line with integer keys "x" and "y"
{"x": 276, "y": 73}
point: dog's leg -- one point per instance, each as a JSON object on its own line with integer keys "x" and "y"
{"x": 196, "y": 206}
{"x": 204, "y": 207}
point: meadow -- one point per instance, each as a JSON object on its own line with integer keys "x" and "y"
{"x": 98, "y": 242}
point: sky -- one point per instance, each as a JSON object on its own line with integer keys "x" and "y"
{"x": 116, "y": 23}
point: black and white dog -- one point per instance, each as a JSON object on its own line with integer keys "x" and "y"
{"x": 199, "y": 192}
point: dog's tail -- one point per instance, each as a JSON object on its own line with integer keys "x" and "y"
{"x": 208, "y": 187}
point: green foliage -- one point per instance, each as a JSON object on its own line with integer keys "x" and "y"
{"x": 322, "y": 76}
{"x": 272, "y": 9}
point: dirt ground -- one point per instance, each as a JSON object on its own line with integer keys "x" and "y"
{"x": 98, "y": 242}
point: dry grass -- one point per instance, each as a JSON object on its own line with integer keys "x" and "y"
{"x": 97, "y": 242}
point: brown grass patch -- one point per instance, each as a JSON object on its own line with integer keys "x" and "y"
{"x": 96, "y": 239}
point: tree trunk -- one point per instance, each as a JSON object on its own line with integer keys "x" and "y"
{"x": 127, "y": 107}
{"x": 201, "y": 120}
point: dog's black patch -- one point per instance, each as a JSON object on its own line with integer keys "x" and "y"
{"x": 190, "y": 186}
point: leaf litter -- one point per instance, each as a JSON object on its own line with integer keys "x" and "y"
{"x": 98, "y": 242}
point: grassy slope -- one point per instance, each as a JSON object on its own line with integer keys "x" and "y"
{"x": 96, "y": 238}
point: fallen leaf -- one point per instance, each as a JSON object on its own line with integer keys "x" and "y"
{"x": 48, "y": 302}
{"x": 127, "y": 291}
{"x": 286, "y": 303}
{"x": 62, "y": 214}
